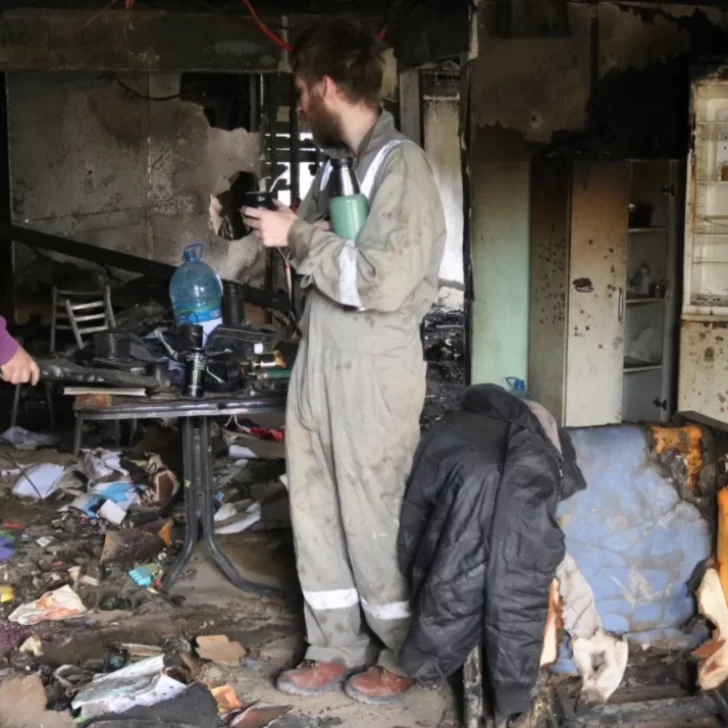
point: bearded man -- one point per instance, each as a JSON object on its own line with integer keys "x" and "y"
{"x": 358, "y": 384}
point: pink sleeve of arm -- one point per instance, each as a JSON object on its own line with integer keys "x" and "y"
{"x": 8, "y": 345}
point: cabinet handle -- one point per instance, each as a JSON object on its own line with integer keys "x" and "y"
{"x": 661, "y": 404}
{"x": 621, "y": 304}
{"x": 668, "y": 190}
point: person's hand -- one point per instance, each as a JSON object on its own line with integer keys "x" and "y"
{"x": 21, "y": 369}
{"x": 270, "y": 226}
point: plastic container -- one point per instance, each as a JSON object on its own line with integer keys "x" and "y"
{"x": 517, "y": 387}
{"x": 196, "y": 292}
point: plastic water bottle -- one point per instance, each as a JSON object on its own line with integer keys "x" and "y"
{"x": 517, "y": 387}
{"x": 196, "y": 291}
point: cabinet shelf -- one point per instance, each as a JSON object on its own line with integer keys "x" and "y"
{"x": 653, "y": 229}
{"x": 638, "y": 365}
{"x": 646, "y": 299}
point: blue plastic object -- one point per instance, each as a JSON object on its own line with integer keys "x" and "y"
{"x": 635, "y": 540}
{"x": 516, "y": 386}
{"x": 196, "y": 291}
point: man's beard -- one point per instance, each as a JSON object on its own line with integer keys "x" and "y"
{"x": 324, "y": 125}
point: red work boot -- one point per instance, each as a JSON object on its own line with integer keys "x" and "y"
{"x": 377, "y": 686}
{"x": 312, "y": 678}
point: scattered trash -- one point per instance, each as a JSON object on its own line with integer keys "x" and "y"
{"x": 163, "y": 483}
{"x": 72, "y": 678}
{"x": 39, "y": 481}
{"x": 226, "y": 699}
{"x": 7, "y": 593}
{"x": 53, "y": 606}
{"x": 135, "y": 545}
{"x": 24, "y": 439}
{"x": 75, "y": 574}
{"x": 101, "y": 464}
{"x": 44, "y": 542}
{"x": 110, "y": 501}
{"x": 7, "y": 546}
{"x": 32, "y": 646}
{"x": 23, "y": 705}
{"x": 220, "y": 650}
{"x": 713, "y": 655}
{"x": 260, "y": 715}
{"x": 193, "y": 708}
{"x": 242, "y": 522}
{"x": 139, "y": 652}
{"x": 138, "y": 684}
{"x": 146, "y": 575}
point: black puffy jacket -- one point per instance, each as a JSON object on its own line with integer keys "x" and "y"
{"x": 479, "y": 542}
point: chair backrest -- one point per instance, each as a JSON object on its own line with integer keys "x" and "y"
{"x": 83, "y": 312}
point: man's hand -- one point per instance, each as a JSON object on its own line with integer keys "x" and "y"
{"x": 21, "y": 369}
{"x": 270, "y": 226}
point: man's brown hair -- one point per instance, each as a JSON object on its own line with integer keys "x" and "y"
{"x": 347, "y": 52}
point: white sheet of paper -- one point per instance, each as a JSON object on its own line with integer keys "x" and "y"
{"x": 39, "y": 481}
{"x": 251, "y": 517}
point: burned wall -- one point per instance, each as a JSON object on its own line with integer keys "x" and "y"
{"x": 93, "y": 161}
{"x": 616, "y": 86}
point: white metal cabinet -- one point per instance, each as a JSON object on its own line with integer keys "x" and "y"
{"x": 703, "y": 380}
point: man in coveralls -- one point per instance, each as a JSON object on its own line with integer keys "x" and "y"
{"x": 358, "y": 384}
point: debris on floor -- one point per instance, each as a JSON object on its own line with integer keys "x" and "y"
{"x": 220, "y": 650}
{"x": 23, "y": 705}
{"x": 63, "y": 603}
{"x": 713, "y": 655}
{"x": 89, "y": 535}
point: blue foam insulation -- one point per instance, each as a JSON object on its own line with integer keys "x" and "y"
{"x": 635, "y": 540}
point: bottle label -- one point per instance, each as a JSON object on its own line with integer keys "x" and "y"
{"x": 198, "y": 316}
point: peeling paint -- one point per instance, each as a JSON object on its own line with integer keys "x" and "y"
{"x": 628, "y": 41}
{"x": 120, "y": 172}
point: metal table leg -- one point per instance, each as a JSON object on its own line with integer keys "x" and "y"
{"x": 208, "y": 522}
{"x": 197, "y": 457}
{"x": 191, "y": 487}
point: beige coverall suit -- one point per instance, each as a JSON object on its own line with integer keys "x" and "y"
{"x": 356, "y": 395}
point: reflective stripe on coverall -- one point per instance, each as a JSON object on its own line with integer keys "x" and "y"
{"x": 356, "y": 395}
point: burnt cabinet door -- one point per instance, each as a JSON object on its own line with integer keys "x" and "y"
{"x": 596, "y": 296}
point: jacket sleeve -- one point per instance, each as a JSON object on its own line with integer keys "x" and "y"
{"x": 8, "y": 345}
{"x": 308, "y": 210}
{"x": 392, "y": 254}
{"x": 526, "y": 547}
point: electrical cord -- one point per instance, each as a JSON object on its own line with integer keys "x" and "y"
{"x": 136, "y": 93}
{"x": 23, "y": 473}
{"x": 265, "y": 29}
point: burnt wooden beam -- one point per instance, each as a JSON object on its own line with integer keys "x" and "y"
{"x": 124, "y": 261}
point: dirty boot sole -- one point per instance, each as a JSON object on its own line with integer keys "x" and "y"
{"x": 290, "y": 688}
{"x": 360, "y": 697}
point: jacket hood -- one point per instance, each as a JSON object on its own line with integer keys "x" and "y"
{"x": 495, "y": 402}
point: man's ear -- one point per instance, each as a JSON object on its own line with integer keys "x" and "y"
{"x": 328, "y": 88}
